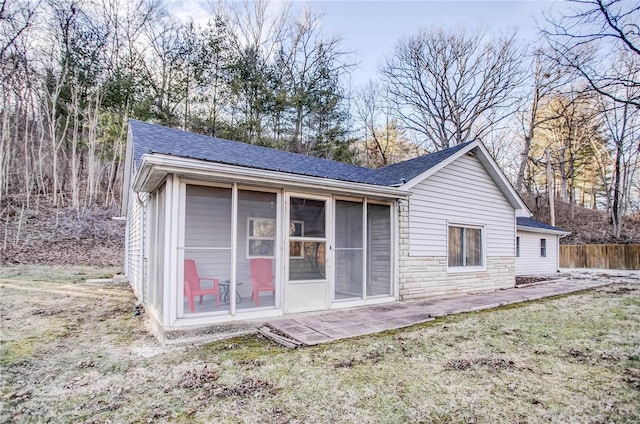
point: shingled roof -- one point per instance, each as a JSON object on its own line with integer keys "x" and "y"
{"x": 532, "y": 223}
{"x": 150, "y": 138}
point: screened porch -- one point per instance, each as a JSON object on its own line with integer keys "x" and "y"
{"x": 208, "y": 256}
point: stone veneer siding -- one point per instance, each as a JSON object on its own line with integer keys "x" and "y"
{"x": 426, "y": 276}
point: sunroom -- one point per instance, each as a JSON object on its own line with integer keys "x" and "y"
{"x": 228, "y": 243}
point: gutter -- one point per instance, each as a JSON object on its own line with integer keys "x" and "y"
{"x": 543, "y": 231}
{"x": 151, "y": 164}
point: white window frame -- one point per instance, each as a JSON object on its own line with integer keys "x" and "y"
{"x": 517, "y": 246}
{"x": 250, "y": 237}
{"x": 294, "y": 240}
{"x": 483, "y": 247}
{"x": 543, "y": 247}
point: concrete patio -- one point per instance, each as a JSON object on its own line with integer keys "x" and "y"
{"x": 328, "y": 327}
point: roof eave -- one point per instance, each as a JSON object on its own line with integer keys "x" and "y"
{"x": 155, "y": 166}
{"x": 542, "y": 230}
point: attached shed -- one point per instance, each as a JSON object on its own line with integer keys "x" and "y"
{"x": 537, "y": 247}
{"x": 219, "y": 231}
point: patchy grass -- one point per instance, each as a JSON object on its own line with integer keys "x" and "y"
{"x": 73, "y": 352}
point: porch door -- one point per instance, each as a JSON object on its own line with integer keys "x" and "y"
{"x": 349, "y": 250}
{"x": 307, "y": 283}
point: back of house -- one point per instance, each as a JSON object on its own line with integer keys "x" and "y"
{"x": 220, "y": 231}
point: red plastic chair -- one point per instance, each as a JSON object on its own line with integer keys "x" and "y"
{"x": 262, "y": 278}
{"x": 192, "y": 285}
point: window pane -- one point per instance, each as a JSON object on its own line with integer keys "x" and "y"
{"x": 158, "y": 251}
{"x": 312, "y": 265}
{"x": 262, "y": 228}
{"x": 378, "y": 250}
{"x": 311, "y": 214}
{"x": 455, "y": 246}
{"x": 295, "y": 249}
{"x": 295, "y": 228}
{"x": 257, "y": 229}
{"x": 264, "y": 248}
{"x": 349, "y": 269}
{"x": 348, "y": 224}
{"x": 473, "y": 247}
{"x": 204, "y": 270}
{"x": 349, "y": 252}
{"x": 207, "y": 217}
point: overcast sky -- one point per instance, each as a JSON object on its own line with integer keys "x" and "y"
{"x": 371, "y": 28}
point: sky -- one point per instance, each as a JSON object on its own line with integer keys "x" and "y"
{"x": 370, "y": 28}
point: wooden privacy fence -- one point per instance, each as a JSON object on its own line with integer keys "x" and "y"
{"x": 607, "y": 256}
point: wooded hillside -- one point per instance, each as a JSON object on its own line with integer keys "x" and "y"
{"x": 560, "y": 116}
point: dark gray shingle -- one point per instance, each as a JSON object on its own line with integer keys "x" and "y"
{"x": 532, "y": 223}
{"x": 151, "y": 138}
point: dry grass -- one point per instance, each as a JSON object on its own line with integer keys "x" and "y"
{"x": 73, "y": 352}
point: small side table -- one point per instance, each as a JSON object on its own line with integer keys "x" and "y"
{"x": 224, "y": 291}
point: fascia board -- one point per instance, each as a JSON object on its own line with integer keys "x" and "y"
{"x": 142, "y": 175}
{"x": 128, "y": 170}
{"x": 503, "y": 183}
{"x": 173, "y": 164}
{"x": 541, "y": 230}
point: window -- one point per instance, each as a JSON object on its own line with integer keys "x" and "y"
{"x": 296, "y": 229}
{"x": 518, "y": 247}
{"x": 307, "y": 237}
{"x": 465, "y": 246}
{"x": 543, "y": 248}
{"x": 261, "y": 238}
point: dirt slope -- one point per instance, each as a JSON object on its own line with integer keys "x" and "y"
{"x": 45, "y": 235}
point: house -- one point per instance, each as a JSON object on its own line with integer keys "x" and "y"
{"x": 537, "y": 247}
{"x": 219, "y": 231}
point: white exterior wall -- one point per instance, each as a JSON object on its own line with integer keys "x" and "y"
{"x": 460, "y": 193}
{"x": 530, "y": 262}
{"x": 133, "y": 264}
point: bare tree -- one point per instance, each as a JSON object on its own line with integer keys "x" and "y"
{"x": 585, "y": 39}
{"x": 546, "y": 81}
{"x": 369, "y": 104}
{"x": 622, "y": 124}
{"x": 383, "y": 142}
{"x": 15, "y": 18}
{"x": 453, "y": 86}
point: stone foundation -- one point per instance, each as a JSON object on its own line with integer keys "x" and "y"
{"x": 428, "y": 277}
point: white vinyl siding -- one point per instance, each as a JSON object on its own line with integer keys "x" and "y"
{"x": 530, "y": 262}
{"x": 461, "y": 192}
{"x": 135, "y": 242}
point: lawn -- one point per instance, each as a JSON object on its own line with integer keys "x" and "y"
{"x": 73, "y": 352}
